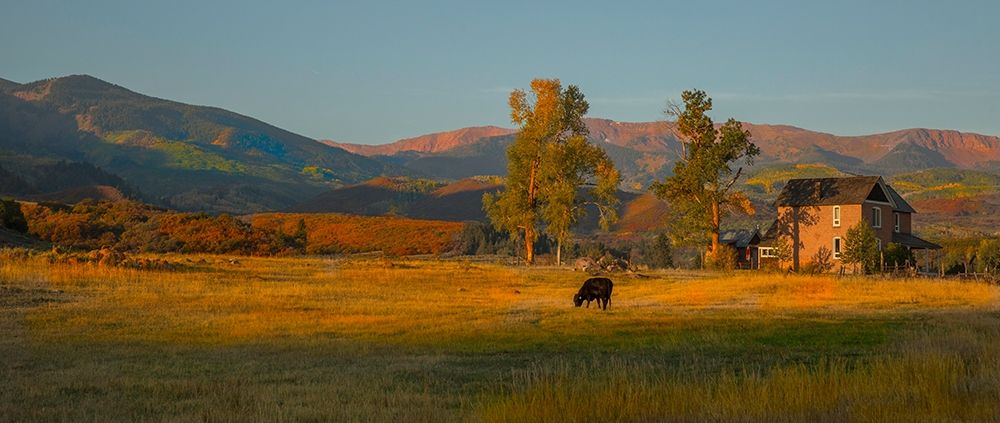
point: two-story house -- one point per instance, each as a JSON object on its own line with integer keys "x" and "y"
{"x": 817, "y": 212}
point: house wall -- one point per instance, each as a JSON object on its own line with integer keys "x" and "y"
{"x": 885, "y": 232}
{"x": 815, "y": 229}
{"x": 905, "y": 223}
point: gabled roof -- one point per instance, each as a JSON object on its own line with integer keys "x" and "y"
{"x": 901, "y": 204}
{"x": 834, "y": 191}
{"x": 740, "y": 238}
{"x": 771, "y": 232}
{"x": 826, "y": 191}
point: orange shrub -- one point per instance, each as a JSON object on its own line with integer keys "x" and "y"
{"x": 340, "y": 233}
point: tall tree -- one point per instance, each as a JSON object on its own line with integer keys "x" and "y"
{"x": 548, "y": 162}
{"x": 701, "y": 191}
{"x": 570, "y": 166}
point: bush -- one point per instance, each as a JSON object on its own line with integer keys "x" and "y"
{"x": 988, "y": 255}
{"x": 724, "y": 259}
{"x": 897, "y": 255}
{"x": 11, "y": 216}
{"x": 822, "y": 261}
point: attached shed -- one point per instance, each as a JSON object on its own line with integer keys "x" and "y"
{"x": 744, "y": 242}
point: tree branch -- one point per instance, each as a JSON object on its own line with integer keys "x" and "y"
{"x": 733, "y": 181}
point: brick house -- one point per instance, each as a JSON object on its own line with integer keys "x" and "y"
{"x": 817, "y": 212}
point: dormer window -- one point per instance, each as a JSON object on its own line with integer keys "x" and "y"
{"x": 836, "y": 216}
{"x": 876, "y": 217}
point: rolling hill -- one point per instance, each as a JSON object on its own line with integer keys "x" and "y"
{"x": 178, "y": 155}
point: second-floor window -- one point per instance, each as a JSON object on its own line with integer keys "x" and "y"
{"x": 836, "y": 216}
{"x": 876, "y": 217}
{"x": 896, "y": 216}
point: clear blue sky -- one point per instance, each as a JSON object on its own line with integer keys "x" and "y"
{"x": 376, "y": 71}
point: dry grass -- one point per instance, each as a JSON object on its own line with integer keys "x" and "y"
{"x": 319, "y": 339}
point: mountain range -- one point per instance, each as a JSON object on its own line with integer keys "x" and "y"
{"x": 78, "y": 136}
{"x": 645, "y": 151}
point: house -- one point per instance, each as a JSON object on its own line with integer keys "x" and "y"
{"x": 745, "y": 243}
{"x": 817, "y": 212}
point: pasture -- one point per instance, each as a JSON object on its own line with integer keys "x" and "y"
{"x": 320, "y": 339}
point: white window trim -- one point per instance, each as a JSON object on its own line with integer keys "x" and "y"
{"x": 878, "y": 242}
{"x": 877, "y": 217}
{"x": 837, "y": 245}
{"x": 836, "y": 216}
{"x": 766, "y": 252}
{"x": 896, "y": 214}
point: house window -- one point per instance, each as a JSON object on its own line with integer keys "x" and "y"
{"x": 836, "y": 247}
{"x": 876, "y": 217}
{"x": 878, "y": 242}
{"x": 896, "y": 228}
{"x": 768, "y": 252}
{"x": 836, "y": 216}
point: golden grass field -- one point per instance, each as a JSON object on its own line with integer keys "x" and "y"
{"x": 317, "y": 339}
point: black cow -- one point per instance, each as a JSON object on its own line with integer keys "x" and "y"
{"x": 594, "y": 289}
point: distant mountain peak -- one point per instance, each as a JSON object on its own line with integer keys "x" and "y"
{"x": 431, "y": 143}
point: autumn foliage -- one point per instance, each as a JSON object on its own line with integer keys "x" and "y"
{"x": 136, "y": 227}
{"x": 339, "y": 233}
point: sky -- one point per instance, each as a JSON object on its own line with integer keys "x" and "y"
{"x": 376, "y": 71}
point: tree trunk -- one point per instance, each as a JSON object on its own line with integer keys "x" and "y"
{"x": 529, "y": 246}
{"x": 529, "y": 227}
{"x": 559, "y": 252}
{"x": 714, "y": 235}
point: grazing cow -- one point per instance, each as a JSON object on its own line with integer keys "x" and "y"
{"x": 594, "y": 289}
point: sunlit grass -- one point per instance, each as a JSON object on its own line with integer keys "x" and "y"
{"x": 313, "y": 338}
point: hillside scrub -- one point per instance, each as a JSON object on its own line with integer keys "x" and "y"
{"x": 11, "y": 216}
{"x": 341, "y": 233}
{"x": 136, "y": 227}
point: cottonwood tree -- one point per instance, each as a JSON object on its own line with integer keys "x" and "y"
{"x": 701, "y": 191}
{"x": 548, "y": 163}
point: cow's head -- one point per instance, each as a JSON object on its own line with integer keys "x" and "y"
{"x": 578, "y": 300}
